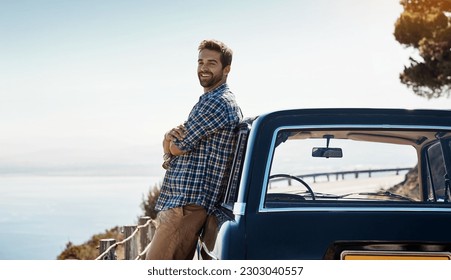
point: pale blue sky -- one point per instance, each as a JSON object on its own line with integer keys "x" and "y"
{"x": 93, "y": 85}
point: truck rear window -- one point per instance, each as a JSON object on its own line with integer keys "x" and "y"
{"x": 354, "y": 166}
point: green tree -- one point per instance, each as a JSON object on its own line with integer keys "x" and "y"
{"x": 426, "y": 26}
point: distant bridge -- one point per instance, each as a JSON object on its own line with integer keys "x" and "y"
{"x": 343, "y": 173}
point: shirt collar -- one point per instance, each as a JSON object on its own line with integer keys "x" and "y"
{"x": 217, "y": 91}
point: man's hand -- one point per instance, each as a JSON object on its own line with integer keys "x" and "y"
{"x": 178, "y": 133}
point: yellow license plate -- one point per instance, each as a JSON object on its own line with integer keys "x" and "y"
{"x": 391, "y": 255}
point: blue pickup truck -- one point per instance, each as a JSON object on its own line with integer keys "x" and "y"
{"x": 338, "y": 184}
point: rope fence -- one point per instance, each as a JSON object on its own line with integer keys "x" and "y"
{"x": 136, "y": 243}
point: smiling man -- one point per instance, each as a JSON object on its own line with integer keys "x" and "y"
{"x": 196, "y": 156}
{"x": 210, "y": 69}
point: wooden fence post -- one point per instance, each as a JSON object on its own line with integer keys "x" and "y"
{"x": 152, "y": 230}
{"x": 144, "y": 239}
{"x": 104, "y": 245}
{"x": 131, "y": 246}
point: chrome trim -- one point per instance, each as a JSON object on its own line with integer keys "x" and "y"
{"x": 338, "y": 208}
{"x": 239, "y": 208}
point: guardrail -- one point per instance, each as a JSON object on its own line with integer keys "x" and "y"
{"x": 136, "y": 243}
{"x": 343, "y": 173}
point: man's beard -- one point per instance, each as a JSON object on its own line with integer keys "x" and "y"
{"x": 213, "y": 80}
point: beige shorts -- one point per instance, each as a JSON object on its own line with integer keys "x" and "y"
{"x": 177, "y": 233}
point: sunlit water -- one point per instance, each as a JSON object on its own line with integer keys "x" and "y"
{"x": 39, "y": 215}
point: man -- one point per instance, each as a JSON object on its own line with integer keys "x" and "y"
{"x": 196, "y": 156}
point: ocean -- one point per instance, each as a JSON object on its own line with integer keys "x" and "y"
{"x": 39, "y": 215}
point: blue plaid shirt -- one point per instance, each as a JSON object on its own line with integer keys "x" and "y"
{"x": 198, "y": 176}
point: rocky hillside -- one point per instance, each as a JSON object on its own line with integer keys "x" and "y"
{"x": 409, "y": 187}
{"x": 90, "y": 249}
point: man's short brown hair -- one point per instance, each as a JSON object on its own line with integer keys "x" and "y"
{"x": 215, "y": 45}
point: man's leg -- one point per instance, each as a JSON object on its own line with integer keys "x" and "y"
{"x": 209, "y": 235}
{"x": 177, "y": 233}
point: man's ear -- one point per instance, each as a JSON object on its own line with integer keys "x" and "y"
{"x": 226, "y": 70}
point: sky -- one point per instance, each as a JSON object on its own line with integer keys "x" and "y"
{"x": 89, "y": 87}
